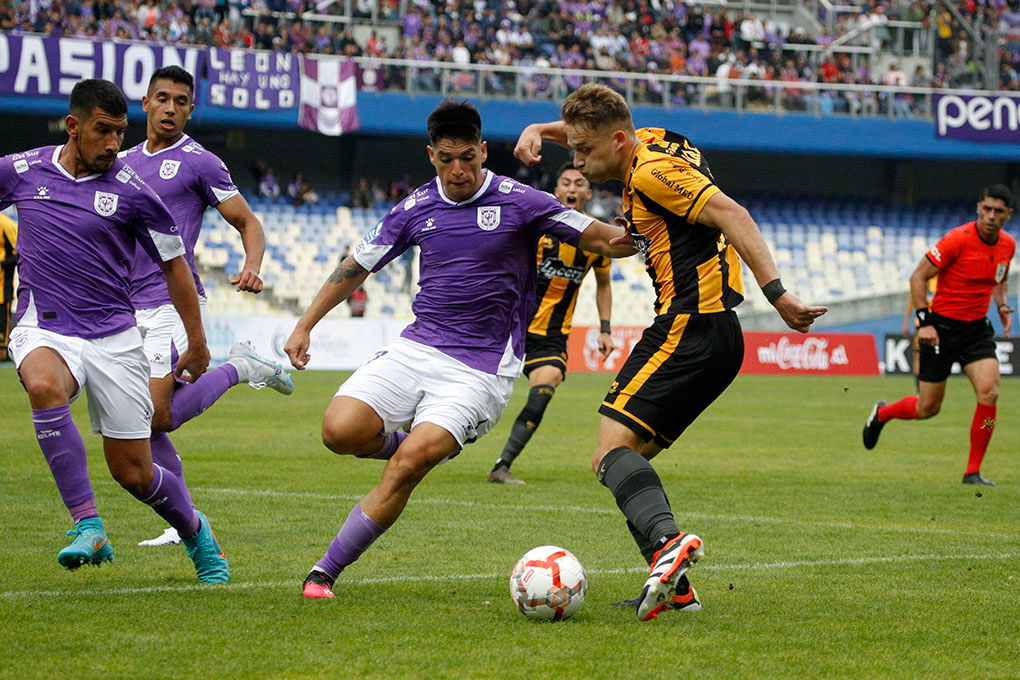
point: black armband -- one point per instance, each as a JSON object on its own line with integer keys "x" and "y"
{"x": 923, "y": 318}
{"x": 773, "y": 290}
{"x": 604, "y": 326}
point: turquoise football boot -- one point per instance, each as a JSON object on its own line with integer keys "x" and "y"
{"x": 210, "y": 564}
{"x": 90, "y": 545}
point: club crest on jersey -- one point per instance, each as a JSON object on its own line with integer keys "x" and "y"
{"x": 1000, "y": 272}
{"x": 168, "y": 170}
{"x": 488, "y": 217}
{"x": 105, "y": 204}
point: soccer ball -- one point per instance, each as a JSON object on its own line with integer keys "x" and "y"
{"x": 548, "y": 584}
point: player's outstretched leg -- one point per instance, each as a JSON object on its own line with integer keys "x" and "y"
{"x": 90, "y": 545}
{"x": 259, "y": 371}
{"x": 527, "y": 422}
{"x": 673, "y": 561}
{"x": 354, "y": 538}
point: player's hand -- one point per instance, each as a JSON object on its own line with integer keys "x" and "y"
{"x": 247, "y": 280}
{"x": 1006, "y": 317}
{"x": 297, "y": 349}
{"x": 605, "y": 344}
{"x": 928, "y": 336}
{"x": 193, "y": 363}
{"x": 529, "y": 145}
{"x": 797, "y": 315}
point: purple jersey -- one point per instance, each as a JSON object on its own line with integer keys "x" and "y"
{"x": 478, "y": 266}
{"x": 77, "y": 240}
{"x": 189, "y": 179}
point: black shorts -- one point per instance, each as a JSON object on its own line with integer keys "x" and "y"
{"x": 545, "y": 350}
{"x": 959, "y": 341}
{"x": 682, "y": 363}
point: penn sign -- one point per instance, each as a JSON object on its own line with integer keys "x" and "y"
{"x": 977, "y": 118}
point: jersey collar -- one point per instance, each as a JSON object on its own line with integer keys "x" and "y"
{"x": 481, "y": 190}
{"x": 150, "y": 154}
{"x": 60, "y": 168}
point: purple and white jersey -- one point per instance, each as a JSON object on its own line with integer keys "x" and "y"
{"x": 189, "y": 179}
{"x": 478, "y": 265}
{"x": 77, "y": 240}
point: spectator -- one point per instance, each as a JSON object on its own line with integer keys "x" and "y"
{"x": 300, "y": 192}
{"x": 357, "y": 302}
{"x": 361, "y": 197}
{"x": 269, "y": 187}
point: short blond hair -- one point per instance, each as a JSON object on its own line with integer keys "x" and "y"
{"x": 596, "y": 107}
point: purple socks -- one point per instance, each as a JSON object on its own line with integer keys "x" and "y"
{"x": 357, "y": 533}
{"x": 168, "y": 496}
{"x": 62, "y": 445}
{"x": 191, "y": 399}
{"x": 165, "y": 455}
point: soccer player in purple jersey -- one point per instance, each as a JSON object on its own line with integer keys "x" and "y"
{"x": 188, "y": 179}
{"x": 451, "y": 372}
{"x": 81, "y": 213}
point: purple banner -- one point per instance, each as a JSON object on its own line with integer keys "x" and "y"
{"x": 38, "y": 66}
{"x": 977, "y": 118}
{"x": 370, "y": 79}
{"x": 252, "y": 79}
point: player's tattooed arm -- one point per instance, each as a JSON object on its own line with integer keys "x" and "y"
{"x": 347, "y": 269}
{"x": 345, "y": 279}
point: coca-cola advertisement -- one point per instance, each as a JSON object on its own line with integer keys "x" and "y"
{"x": 764, "y": 353}
{"x": 811, "y": 354}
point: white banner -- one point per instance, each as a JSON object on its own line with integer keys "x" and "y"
{"x": 336, "y": 344}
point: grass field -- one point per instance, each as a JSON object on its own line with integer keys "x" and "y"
{"x": 823, "y": 560}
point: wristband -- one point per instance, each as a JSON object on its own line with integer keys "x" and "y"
{"x": 773, "y": 290}
{"x": 1004, "y": 304}
{"x": 923, "y": 318}
{"x": 604, "y": 326}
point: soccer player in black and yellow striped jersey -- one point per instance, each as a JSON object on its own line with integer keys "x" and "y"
{"x": 691, "y": 234}
{"x": 561, "y": 268}
{"x": 8, "y": 261}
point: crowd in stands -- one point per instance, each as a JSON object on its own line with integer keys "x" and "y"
{"x": 645, "y": 36}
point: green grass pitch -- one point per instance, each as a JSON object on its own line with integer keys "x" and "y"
{"x": 823, "y": 560}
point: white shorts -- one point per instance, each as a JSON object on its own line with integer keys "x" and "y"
{"x": 164, "y": 338}
{"x": 410, "y": 382}
{"x": 112, "y": 369}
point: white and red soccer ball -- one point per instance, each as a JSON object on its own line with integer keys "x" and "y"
{"x": 548, "y": 584}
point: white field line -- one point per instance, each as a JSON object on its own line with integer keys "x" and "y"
{"x": 295, "y": 584}
{"x": 608, "y": 511}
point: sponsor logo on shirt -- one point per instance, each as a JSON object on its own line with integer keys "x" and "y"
{"x": 488, "y": 217}
{"x": 42, "y": 192}
{"x": 934, "y": 252}
{"x": 506, "y": 186}
{"x": 105, "y": 203}
{"x": 371, "y": 236}
{"x": 409, "y": 203}
{"x": 556, "y": 267}
{"x": 190, "y": 148}
{"x": 124, "y": 176}
{"x": 168, "y": 169}
{"x": 21, "y": 166}
{"x": 1000, "y": 272}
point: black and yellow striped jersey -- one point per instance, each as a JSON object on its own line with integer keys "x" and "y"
{"x": 8, "y": 245}
{"x": 561, "y": 268}
{"x": 694, "y": 269}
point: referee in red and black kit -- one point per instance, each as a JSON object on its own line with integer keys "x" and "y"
{"x": 972, "y": 262}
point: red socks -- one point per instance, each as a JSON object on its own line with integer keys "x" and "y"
{"x": 904, "y": 409}
{"x": 981, "y": 429}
